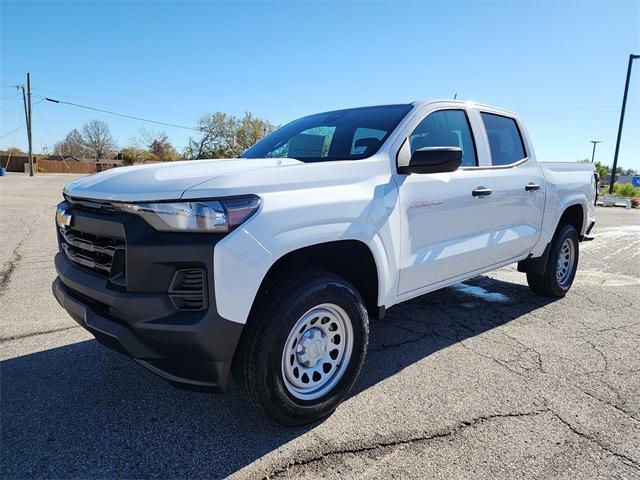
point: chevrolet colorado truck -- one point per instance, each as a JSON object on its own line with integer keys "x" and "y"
{"x": 269, "y": 266}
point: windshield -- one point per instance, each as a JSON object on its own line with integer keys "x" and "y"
{"x": 341, "y": 135}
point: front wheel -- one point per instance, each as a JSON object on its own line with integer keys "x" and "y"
{"x": 303, "y": 347}
{"x": 561, "y": 267}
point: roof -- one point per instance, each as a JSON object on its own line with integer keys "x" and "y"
{"x": 463, "y": 103}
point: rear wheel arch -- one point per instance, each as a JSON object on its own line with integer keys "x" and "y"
{"x": 560, "y": 268}
{"x": 574, "y": 215}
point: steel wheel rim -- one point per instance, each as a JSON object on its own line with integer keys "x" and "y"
{"x": 566, "y": 259}
{"x": 317, "y": 351}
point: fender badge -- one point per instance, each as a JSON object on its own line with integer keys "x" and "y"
{"x": 426, "y": 203}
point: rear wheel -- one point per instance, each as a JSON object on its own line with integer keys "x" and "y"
{"x": 303, "y": 347}
{"x": 561, "y": 266}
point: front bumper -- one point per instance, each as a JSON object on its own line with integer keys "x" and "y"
{"x": 191, "y": 349}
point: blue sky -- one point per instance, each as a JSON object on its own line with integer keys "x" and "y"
{"x": 561, "y": 65}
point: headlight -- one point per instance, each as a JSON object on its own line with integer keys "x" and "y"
{"x": 195, "y": 216}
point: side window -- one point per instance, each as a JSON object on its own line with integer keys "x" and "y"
{"x": 505, "y": 140}
{"x": 445, "y": 128}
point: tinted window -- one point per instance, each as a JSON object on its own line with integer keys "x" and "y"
{"x": 363, "y": 137}
{"x": 341, "y": 135}
{"x": 445, "y": 128}
{"x": 504, "y": 139}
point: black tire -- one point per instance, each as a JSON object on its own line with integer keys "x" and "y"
{"x": 257, "y": 364}
{"x": 548, "y": 284}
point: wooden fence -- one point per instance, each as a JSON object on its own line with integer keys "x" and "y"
{"x": 66, "y": 166}
{"x": 13, "y": 163}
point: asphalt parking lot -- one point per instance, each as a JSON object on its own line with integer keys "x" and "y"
{"x": 480, "y": 380}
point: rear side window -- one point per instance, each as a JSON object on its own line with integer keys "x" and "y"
{"x": 445, "y": 128}
{"x": 505, "y": 140}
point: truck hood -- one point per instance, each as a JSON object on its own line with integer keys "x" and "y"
{"x": 163, "y": 181}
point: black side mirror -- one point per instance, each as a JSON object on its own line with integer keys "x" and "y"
{"x": 433, "y": 160}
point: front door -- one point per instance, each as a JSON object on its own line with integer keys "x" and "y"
{"x": 444, "y": 223}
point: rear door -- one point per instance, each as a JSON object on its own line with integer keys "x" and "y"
{"x": 518, "y": 186}
{"x": 445, "y": 228}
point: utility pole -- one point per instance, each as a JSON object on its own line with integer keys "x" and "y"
{"x": 593, "y": 154}
{"x": 26, "y": 98}
{"x": 30, "y": 124}
{"x": 632, "y": 57}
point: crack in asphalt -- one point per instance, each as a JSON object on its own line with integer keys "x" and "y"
{"x": 7, "y": 272}
{"x": 34, "y": 334}
{"x": 421, "y": 335}
{"x": 606, "y": 402}
{"x": 600, "y": 352}
{"x": 404, "y": 441}
{"x": 390, "y": 444}
{"x": 625, "y": 459}
{"x": 537, "y": 354}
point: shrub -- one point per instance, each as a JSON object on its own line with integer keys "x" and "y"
{"x": 626, "y": 190}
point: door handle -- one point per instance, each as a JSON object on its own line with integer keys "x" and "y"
{"x": 481, "y": 192}
{"x": 530, "y": 187}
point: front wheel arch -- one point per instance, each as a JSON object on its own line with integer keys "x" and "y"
{"x": 352, "y": 260}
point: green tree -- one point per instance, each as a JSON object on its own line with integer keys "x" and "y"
{"x": 132, "y": 155}
{"x": 149, "y": 146}
{"x": 226, "y": 136}
{"x": 602, "y": 170}
{"x": 157, "y": 146}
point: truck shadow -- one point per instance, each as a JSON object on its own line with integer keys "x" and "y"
{"x": 83, "y": 411}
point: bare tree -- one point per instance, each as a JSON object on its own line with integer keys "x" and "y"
{"x": 98, "y": 140}
{"x": 72, "y": 145}
{"x": 14, "y": 151}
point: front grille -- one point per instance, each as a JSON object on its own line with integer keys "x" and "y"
{"x": 86, "y": 204}
{"x": 100, "y": 255}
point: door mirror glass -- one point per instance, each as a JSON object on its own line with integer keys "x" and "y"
{"x": 433, "y": 160}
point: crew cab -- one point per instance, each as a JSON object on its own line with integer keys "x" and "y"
{"x": 270, "y": 266}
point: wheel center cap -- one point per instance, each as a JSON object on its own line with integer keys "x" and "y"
{"x": 311, "y": 347}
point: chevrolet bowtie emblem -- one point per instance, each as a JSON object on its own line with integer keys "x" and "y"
{"x": 63, "y": 219}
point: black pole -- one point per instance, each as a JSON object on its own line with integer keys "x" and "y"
{"x": 624, "y": 106}
{"x": 26, "y": 109}
{"x": 593, "y": 154}
{"x": 29, "y": 126}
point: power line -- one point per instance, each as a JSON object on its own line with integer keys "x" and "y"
{"x": 122, "y": 114}
{"x": 11, "y": 108}
{"x": 10, "y": 132}
{"x": 112, "y": 104}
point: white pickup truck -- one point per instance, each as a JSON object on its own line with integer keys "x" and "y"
{"x": 270, "y": 266}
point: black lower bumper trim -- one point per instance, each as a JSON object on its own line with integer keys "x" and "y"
{"x": 196, "y": 354}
